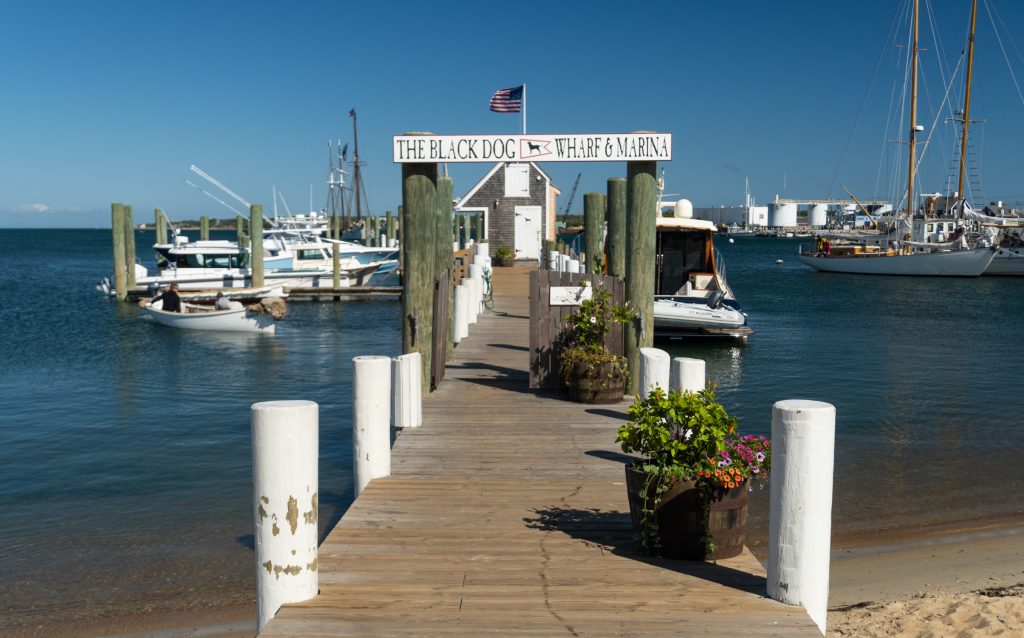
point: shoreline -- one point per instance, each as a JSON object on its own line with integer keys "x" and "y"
{"x": 874, "y": 588}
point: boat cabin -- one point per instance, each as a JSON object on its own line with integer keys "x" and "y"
{"x": 685, "y": 262}
{"x": 202, "y": 254}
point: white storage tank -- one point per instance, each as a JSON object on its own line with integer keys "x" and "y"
{"x": 818, "y": 215}
{"x": 782, "y": 215}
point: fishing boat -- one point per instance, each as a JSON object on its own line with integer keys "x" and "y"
{"x": 924, "y": 252}
{"x": 691, "y": 294}
{"x": 196, "y": 317}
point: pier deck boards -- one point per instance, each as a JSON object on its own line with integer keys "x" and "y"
{"x": 506, "y": 515}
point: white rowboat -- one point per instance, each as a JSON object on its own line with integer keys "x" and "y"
{"x": 193, "y": 317}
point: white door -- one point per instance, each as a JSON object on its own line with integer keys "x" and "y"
{"x": 528, "y": 232}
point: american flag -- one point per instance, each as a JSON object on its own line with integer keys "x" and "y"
{"x": 507, "y": 100}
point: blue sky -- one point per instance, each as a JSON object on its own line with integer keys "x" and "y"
{"x": 113, "y": 101}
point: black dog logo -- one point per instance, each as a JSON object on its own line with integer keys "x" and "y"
{"x": 534, "y": 148}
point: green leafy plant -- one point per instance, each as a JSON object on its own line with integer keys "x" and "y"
{"x": 504, "y": 252}
{"x": 688, "y": 436}
{"x": 585, "y": 332}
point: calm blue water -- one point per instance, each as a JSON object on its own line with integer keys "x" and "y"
{"x": 125, "y": 463}
{"x": 125, "y": 460}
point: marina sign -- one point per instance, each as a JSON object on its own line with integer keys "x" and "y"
{"x": 593, "y": 147}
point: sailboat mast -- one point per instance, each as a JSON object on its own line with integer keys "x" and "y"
{"x": 355, "y": 163}
{"x": 967, "y": 101}
{"x": 913, "y": 117}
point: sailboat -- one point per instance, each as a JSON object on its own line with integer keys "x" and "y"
{"x": 924, "y": 252}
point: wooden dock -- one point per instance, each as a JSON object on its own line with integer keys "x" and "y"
{"x": 506, "y": 515}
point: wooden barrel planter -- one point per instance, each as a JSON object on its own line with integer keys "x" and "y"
{"x": 597, "y": 383}
{"x": 680, "y": 518}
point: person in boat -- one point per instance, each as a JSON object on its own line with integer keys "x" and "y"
{"x": 222, "y": 302}
{"x": 172, "y": 302}
{"x": 821, "y": 245}
{"x": 827, "y": 246}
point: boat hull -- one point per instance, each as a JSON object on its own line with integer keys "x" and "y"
{"x": 1008, "y": 262}
{"x": 963, "y": 263}
{"x": 237, "y": 320}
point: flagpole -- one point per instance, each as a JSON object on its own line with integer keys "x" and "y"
{"x": 524, "y": 108}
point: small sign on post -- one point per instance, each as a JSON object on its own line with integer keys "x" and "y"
{"x": 569, "y": 295}
{"x": 588, "y": 147}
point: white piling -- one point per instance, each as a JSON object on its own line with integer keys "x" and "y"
{"x": 800, "y": 518}
{"x": 654, "y": 364}
{"x": 285, "y": 440}
{"x": 459, "y": 313}
{"x": 407, "y": 391}
{"x": 462, "y": 320}
{"x": 483, "y": 249}
{"x": 687, "y": 375}
{"x": 371, "y": 419}
{"x": 476, "y": 273}
{"x": 573, "y": 266}
{"x": 455, "y": 246}
{"x": 552, "y": 260}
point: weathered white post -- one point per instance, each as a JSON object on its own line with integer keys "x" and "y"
{"x": 460, "y": 313}
{"x": 574, "y": 266}
{"x": 285, "y": 439}
{"x": 476, "y": 273}
{"x": 654, "y": 364}
{"x": 371, "y": 422}
{"x": 483, "y": 249}
{"x": 553, "y": 260}
{"x": 800, "y": 518}
{"x": 687, "y": 375}
{"x": 467, "y": 294}
{"x": 407, "y": 390}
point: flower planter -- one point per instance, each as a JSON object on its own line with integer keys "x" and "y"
{"x": 503, "y": 261}
{"x": 680, "y": 517}
{"x": 597, "y": 382}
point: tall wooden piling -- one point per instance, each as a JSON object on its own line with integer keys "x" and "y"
{"x": 443, "y": 254}
{"x": 160, "y": 226}
{"x": 204, "y": 228}
{"x": 617, "y": 227}
{"x": 593, "y": 227}
{"x": 256, "y": 228}
{"x": 128, "y": 228}
{"x": 391, "y": 223}
{"x": 419, "y": 206}
{"x": 480, "y": 237}
{"x": 117, "y": 236}
{"x": 641, "y": 201}
{"x": 240, "y": 236}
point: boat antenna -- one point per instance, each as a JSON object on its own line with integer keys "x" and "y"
{"x": 195, "y": 169}
{"x": 273, "y": 192}
{"x": 967, "y": 101}
{"x": 286, "y": 209}
{"x": 213, "y": 197}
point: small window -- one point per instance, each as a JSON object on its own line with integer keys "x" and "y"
{"x": 931, "y": 228}
{"x": 517, "y": 180}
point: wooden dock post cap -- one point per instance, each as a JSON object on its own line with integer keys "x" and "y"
{"x": 417, "y": 133}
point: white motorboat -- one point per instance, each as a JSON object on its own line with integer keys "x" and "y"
{"x": 691, "y": 294}
{"x": 205, "y": 265}
{"x": 195, "y": 317}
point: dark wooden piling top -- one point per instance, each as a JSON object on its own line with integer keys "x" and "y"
{"x": 506, "y": 515}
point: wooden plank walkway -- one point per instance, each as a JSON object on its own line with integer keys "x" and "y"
{"x": 506, "y": 515}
